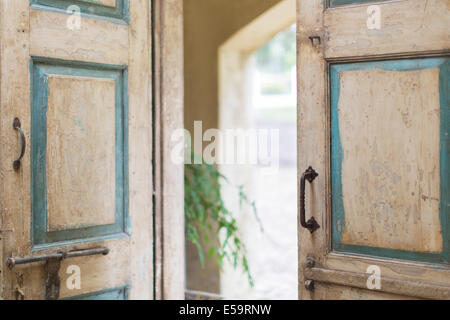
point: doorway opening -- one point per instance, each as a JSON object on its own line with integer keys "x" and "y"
{"x": 268, "y": 107}
{"x": 253, "y": 69}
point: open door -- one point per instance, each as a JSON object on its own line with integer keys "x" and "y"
{"x": 76, "y": 167}
{"x": 374, "y": 123}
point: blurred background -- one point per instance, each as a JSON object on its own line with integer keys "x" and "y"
{"x": 240, "y": 58}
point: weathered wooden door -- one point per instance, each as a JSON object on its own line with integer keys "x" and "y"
{"x": 76, "y": 74}
{"x": 374, "y": 123}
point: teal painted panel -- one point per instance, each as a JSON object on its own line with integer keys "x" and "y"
{"x": 41, "y": 69}
{"x": 334, "y": 3}
{"x": 115, "y": 294}
{"x": 89, "y": 8}
{"x": 338, "y": 212}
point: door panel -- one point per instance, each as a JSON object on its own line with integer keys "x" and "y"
{"x": 78, "y": 195}
{"x": 373, "y": 122}
{"x": 406, "y": 27}
{"x": 117, "y": 9}
{"x": 83, "y": 98}
{"x": 97, "y": 40}
{"x": 391, "y": 164}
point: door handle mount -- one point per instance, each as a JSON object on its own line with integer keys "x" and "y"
{"x": 310, "y": 174}
{"x": 53, "y": 264}
{"x": 315, "y": 40}
{"x": 23, "y": 144}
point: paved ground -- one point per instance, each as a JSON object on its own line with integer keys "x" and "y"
{"x": 273, "y": 253}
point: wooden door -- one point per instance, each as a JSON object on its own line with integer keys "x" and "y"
{"x": 77, "y": 76}
{"x": 374, "y": 124}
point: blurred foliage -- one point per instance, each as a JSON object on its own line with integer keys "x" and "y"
{"x": 207, "y": 214}
{"x": 279, "y": 54}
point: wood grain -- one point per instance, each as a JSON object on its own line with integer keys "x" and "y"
{"x": 312, "y": 132}
{"x": 417, "y": 289}
{"x": 81, "y": 152}
{"x": 402, "y": 270}
{"x": 15, "y": 102}
{"x": 389, "y": 124}
{"x": 171, "y": 91}
{"x": 96, "y": 40}
{"x": 409, "y": 28}
{"x": 26, "y": 32}
{"x": 327, "y": 291}
{"x": 406, "y": 26}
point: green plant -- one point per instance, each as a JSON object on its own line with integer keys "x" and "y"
{"x": 207, "y": 214}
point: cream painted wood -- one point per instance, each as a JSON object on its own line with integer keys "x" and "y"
{"x": 389, "y": 285}
{"x": 96, "y": 41}
{"x": 406, "y": 27}
{"x": 409, "y": 29}
{"x": 169, "y": 176}
{"x": 327, "y": 291}
{"x": 27, "y": 32}
{"x": 313, "y": 125}
{"x": 405, "y": 190}
{"x": 401, "y": 270}
{"x": 80, "y": 185}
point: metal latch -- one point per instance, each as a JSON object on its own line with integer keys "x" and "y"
{"x": 53, "y": 264}
{"x": 310, "y": 263}
{"x": 315, "y": 40}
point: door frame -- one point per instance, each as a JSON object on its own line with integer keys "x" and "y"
{"x": 168, "y": 115}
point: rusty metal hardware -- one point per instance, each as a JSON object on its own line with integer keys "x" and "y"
{"x": 53, "y": 282}
{"x": 315, "y": 40}
{"x": 310, "y": 262}
{"x": 23, "y": 144}
{"x": 311, "y": 224}
{"x": 20, "y": 295}
{"x": 53, "y": 264}
{"x": 309, "y": 285}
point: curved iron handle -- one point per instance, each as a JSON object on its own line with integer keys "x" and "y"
{"x": 23, "y": 144}
{"x": 311, "y": 224}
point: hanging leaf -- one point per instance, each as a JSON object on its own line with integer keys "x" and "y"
{"x": 204, "y": 206}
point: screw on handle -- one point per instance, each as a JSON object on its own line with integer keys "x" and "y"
{"x": 311, "y": 224}
{"x": 23, "y": 144}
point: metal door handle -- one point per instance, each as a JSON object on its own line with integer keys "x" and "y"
{"x": 52, "y": 265}
{"x": 23, "y": 144}
{"x": 311, "y": 224}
